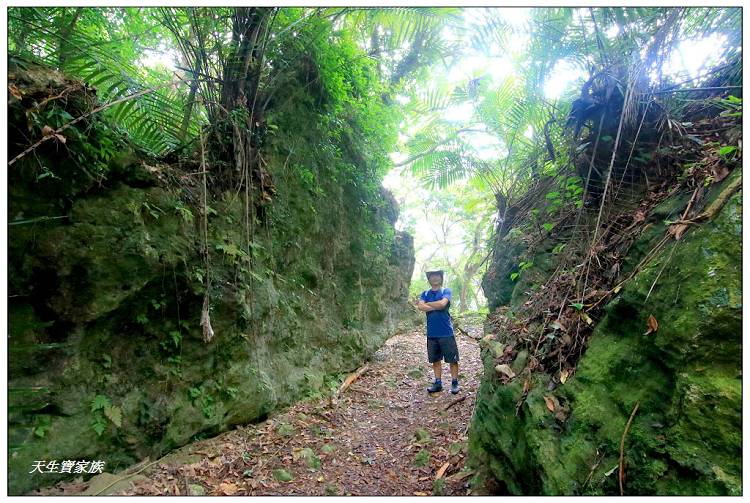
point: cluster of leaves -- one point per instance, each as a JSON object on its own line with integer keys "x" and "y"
{"x": 198, "y": 396}
{"x": 522, "y": 266}
{"x": 78, "y": 156}
{"x": 103, "y": 410}
{"x": 105, "y": 47}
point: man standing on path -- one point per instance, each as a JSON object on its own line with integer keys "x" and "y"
{"x": 441, "y": 341}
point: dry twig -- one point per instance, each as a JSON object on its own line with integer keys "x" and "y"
{"x": 454, "y": 402}
{"x": 622, "y": 447}
{"x": 352, "y": 377}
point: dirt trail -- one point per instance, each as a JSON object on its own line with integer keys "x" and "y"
{"x": 384, "y": 436}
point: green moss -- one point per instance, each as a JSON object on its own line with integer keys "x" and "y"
{"x": 422, "y": 458}
{"x": 686, "y": 435}
{"x": 282, "y": 475}
{"x": 125, "y": 274}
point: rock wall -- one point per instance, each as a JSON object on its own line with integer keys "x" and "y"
{"x": 107, "y": 356}
{"x": 686, "y": 436}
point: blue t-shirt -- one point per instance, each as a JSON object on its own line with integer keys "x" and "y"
{"x": 438, "y": 322}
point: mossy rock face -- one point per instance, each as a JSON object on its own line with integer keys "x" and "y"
{"x": 107, "y": 300}
{"x": 685, "y": 437}
{"x": 497, "y": 284}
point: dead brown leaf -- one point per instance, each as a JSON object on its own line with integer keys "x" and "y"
{"x": 550, "y": 403}
{"x": 564, "y": 375}
{"x": 652, "y": 325}
{"x": 640, "y": 216}
{"x": 47, "y": 130}
{"x": 15, "y": 92}
{"x": 558, "y": 326}
{"x": 459, "y": 476}
{"x": 505, "y": 370}
{"x": 442, "y": 470}
{"x": 677, "y": 230}
{"x": 720, "y": 172}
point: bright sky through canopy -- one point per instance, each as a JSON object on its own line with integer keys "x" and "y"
{"x": 495, "y": 63}
{"x": 691, "y": 58}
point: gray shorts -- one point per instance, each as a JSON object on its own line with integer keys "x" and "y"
{"x": 442, "y": 347}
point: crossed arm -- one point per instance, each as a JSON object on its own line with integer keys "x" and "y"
{"x": 437, "y": 305}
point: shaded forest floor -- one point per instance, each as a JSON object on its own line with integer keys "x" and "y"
{"x": 384, "y": 435}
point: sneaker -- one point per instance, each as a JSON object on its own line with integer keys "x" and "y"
{"x": 454, "y": 386}
{"x": 436, "y": 386}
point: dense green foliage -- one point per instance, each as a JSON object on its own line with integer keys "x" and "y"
{"x": 525, "y": 149}
{"x": 168, "y": 282}
{"x": 110, "y": 48}
{"x": 516, "y": 110}
{"x": 686, "y": 437}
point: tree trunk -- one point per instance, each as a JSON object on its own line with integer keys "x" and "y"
{"x": 64, "y": 33}
{"x": 245, "y": 60}
{"x": 463, "y": 297}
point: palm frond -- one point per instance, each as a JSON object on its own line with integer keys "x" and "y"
{"x": 91, "y": 54}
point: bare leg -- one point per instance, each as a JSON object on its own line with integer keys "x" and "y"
{"x": 454, "y": 370}
{"x": 438, "y": 368}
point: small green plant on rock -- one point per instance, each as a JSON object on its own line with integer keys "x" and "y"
{"x": 205, "y": 400}
{"x": 438, "y": 487}
{"x": 102, "y": 409}
{"x": 227, "y": 391}
{"x": 522, "y": 266}
{"x": 175, "y": 365}
{"x": 43, "y": 423}
{"x": 184, "y": 212}
{"x": 174, "y": 341}
{"x": 422, "y": 458}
